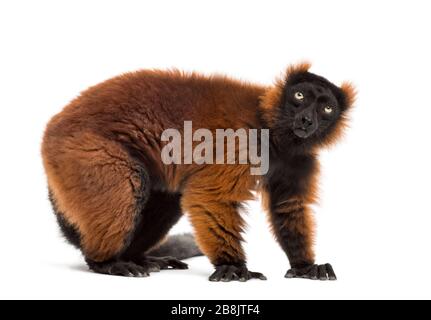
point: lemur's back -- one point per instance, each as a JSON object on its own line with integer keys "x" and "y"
{"x": 156, "y": 100}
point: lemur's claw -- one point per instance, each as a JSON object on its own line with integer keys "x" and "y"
{"x": 313, "y": 272}
{"x": 227, "y": 273}
{"x": 167, "y": 262}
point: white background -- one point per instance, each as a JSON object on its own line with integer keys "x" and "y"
{"x": 374, "y": 215}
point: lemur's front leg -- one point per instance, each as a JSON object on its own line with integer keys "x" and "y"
{"x": 290, "y": 193}
{"x": 217, "y": 226}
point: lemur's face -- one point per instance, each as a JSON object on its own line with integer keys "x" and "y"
{"x": 312, "y": 106}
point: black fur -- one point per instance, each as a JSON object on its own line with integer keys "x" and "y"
{"x": 160, "y": 213}
{"x": 317, "y": 80}
{"x": 70, "y": 232}
{"x": 293, "y": 164}
{"x": 287, "y": 178}
{"x": 282, "y": 134}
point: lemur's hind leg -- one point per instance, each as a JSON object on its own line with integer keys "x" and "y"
{"x": 100, "y": 194}
{"x": 161, "y": 212}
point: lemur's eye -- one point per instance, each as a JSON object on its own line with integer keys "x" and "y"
{"x": 328, "y": 109}
{"x": 299, "y": 95}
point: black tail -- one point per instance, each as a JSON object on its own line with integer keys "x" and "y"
{"x": 181, "y": 246}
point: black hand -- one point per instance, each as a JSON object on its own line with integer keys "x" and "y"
{"x": 313, "y": 272}
{"x": 228, "y": 273}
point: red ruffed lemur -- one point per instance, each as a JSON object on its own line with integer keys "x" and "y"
{"x": 115, "y": 199}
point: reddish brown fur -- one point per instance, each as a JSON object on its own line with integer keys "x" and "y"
{"x": 91, "y": 175}
{"x": 93, "y": 183}
{"x": 95, "y": 180}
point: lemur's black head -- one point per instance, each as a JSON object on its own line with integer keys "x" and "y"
{"x": 306, "y": 109}
{"x": 311, "y": 104}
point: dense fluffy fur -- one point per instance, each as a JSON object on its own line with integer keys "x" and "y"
{"x": 116, "y": 200}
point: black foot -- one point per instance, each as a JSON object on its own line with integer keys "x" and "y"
{"x": 119, "y": 268}
{"x": 141, "y": 268}
{"x": 228, "y": 273}
{"x": 163, "y": 263}
{"x": 313, "y": 272}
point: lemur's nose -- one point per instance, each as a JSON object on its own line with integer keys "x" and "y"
{"x": 306, "y": 121}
